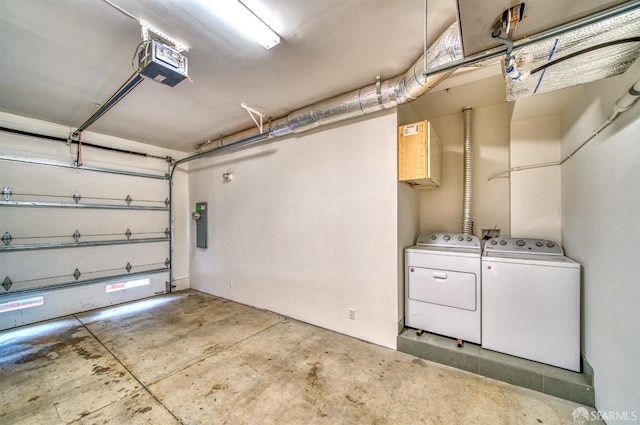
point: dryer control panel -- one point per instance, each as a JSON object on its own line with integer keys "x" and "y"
{"x": 451, "y": 240}
{"x": 523, "y": 246}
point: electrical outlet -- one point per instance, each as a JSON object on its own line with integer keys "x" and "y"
{"x": 352, "y": 313}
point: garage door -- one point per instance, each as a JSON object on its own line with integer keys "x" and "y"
{"x": 77, "y": 238}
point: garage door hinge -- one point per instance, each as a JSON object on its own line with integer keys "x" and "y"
{"x": 76, "y": 197}
{"x": 76, "y": 236}
{"x": 6, "y": 238}
{"x": 167, "y": 202}
{"x": 167, "y": 233}
{"x": 7, "y": 283}
{"x": 167, "y": 263}
{"x": 128, "y": 234}
{"x": 128, "y": 267}
{"x": 128, "y": 200}
{"x": 77, "y": 274}
{"x": 6, "y": 193}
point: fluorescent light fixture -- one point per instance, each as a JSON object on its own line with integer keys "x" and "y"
{"x": 128, "y": 285}
{"x": 245, "y": 21}
{"x": 21, "y": 304}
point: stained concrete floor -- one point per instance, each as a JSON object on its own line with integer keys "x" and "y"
{"x": 191, "y": 358}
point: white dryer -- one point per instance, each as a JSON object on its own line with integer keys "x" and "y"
{"x": 442, "y": 285}
{"x": 531, "y": 301}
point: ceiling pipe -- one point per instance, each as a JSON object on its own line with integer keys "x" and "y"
{"x": 483, "y": 57}
{"x": 372, "y": 98}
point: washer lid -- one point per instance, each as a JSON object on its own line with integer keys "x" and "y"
{"x": 531, "y": 259}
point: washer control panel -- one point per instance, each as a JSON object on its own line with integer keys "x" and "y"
{"x": 523, "y": 245}
{"x": 451, "y": 240}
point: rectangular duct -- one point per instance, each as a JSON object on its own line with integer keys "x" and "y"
{"x": 477, "y": 18}
{"x": 596, "y": 51}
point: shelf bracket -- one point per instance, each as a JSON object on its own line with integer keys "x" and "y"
{"x": 256, "y": 116}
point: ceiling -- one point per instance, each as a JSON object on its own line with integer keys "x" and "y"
{"x": 478, "y": 16}
{"x": 63, "y": 58}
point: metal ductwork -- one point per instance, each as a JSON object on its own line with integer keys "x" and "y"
{"x": 372, "y": 98}
{"x": 444, "y": 52}
{"x": 467, "y": 223}
{"x": 600, "y": 50}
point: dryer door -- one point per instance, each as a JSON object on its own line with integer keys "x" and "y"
{"x": 443, "y": 287}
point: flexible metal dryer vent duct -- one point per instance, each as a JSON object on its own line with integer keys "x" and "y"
{"x": 467, "y": 224}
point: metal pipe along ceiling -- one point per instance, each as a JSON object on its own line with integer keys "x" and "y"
{"x": 372, "y": 98}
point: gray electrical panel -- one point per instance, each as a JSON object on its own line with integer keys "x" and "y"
{"x": 200, "y": 217}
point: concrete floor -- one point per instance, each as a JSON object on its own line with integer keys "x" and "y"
{"x": 192, "y": 358}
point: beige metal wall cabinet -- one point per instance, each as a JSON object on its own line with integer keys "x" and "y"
{"x": 419, "y": 155}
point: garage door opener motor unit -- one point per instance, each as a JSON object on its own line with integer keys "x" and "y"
{"x": 162, "y": 63}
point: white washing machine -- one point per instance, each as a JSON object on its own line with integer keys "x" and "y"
{"x": 442, "y": 285}
{"x": 531, "y": 301}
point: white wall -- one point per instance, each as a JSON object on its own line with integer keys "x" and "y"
{"x": 441, "y": 208}
{"x": 408, "y": 230}
{"x": 307, "y": 228}
{"x": 408, "y": 210}
{"x": 28, "y": 182}
{"x": 600, "y": 205}
{"x": 535, "y": 193}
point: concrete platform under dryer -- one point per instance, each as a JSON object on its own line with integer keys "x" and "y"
{"x": 192, "y": 358}
{"x": 540, "y": 377}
